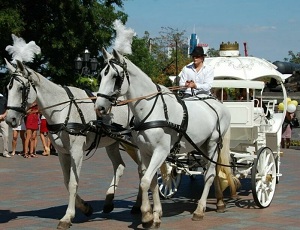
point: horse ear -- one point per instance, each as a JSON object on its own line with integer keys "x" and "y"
{"x": 106, "y": 55}
{"x": 24, "y": 70}
{"x": 117, "y": 55}
{"x": 9, "y": 66}
{"x": 20, "y": 65}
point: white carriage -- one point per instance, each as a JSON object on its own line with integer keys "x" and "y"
{"x": 255, "y": 129}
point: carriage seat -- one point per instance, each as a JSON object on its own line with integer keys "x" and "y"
{"x": 243, "y": 127}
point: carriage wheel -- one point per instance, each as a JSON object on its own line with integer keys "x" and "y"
{"x": 168, "y": 179}
{"x": 277, "y": 160}
{"x": 263, "y": 177}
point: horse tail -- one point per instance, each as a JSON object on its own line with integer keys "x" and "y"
{"x": 225, "y": 172}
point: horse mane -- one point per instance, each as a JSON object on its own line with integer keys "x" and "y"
{"x": 39, "y": 76}
{"x": 128, "y": 61}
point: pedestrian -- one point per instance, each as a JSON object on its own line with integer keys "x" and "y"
{"x": 197, "y": 77}
{"x": 20, "y": 130}
{"x": 287, "y": 126}
{"x": 4, "y": 125}
{"x": 44, "y": 136}
{"x": 32, "y": 125}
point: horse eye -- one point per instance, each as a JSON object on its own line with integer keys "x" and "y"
{"x": 106, "y": 71}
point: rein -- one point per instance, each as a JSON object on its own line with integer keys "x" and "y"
{"x": 181, "y": 129}
{"x": 173, "y": 88}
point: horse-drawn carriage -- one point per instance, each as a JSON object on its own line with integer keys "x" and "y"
{"x": 255, "y": 129}
{"x": 160, "y": 127}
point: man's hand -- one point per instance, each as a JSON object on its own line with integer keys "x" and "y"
{"x": 190, "y": 84}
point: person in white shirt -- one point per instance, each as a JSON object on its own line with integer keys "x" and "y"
{"x": 197, "y": 76}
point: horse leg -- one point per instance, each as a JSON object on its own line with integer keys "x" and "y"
{"x": 118, "y": 165}
{"x": 151, "y": 218}
{"x": 219, "y": 195}
{"x": 65, "y": 162}
{"x": 208, "y": 180}
{"x": 147, "y": 216}
{"x": 71, "y": 167}
{"x": 136, "y": 208}
{"x": 157, "y": 208}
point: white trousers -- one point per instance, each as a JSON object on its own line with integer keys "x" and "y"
{"x": 4, "y": 131}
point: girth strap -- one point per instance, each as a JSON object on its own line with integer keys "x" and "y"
{"x": 71, "y": 128}
{"x": 165, "y": 123}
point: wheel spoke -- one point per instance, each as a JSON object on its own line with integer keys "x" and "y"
{"x": 258, "y": 185}
{"x": 269, "y": 167}
{"x": 168, "y": 182}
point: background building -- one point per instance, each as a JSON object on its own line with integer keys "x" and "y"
{"x": 195, "y": 41}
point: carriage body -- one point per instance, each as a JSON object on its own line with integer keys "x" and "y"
{"x": 253, "y": 127}
{"x": 256, "y": 127}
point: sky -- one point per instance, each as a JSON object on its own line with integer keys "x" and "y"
{"x": 270, "y": 28}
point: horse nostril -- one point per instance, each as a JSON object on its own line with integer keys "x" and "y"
{"x": 100, "y": 111}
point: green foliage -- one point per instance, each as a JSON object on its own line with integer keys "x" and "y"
{"x": 212, "y": 52}
{"x": 162, "y": 56}
{"x": 142, "y": 58}
{"x": 89, "y": 83}
{"x": 61, "y": 28}
{"x": 295, "y": 58}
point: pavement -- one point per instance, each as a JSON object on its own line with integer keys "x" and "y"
{"x": 33, "y": 196}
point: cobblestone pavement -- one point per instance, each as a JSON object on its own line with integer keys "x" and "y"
{"x": 33, "y": 196}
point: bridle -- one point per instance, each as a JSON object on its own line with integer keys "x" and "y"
{"x": 113, "y": 96}
{"x": 25, "y": 92}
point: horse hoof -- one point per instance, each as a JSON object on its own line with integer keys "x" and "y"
{"x": 88, "y": 210}
{"x": 156, "y": 225}
{"x": 221, "y": 209}
{"x": 197, "y": 217}
{"x": 108, "y": 208}
{"x": 64, "y": 225}
{"x": 135, "y": 210}
{"x": 147, "y": 225}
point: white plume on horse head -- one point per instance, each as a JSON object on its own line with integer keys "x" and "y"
{"x": 22, "y": 51}
{"x": 123, "y": 38}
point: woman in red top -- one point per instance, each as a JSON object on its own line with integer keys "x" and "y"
{"x": 44, "y": 136}
{"x": 32, "y": 125}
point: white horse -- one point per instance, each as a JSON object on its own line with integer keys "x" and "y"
{"x": 68, "y": 113}
{"x": 161, "y": 122}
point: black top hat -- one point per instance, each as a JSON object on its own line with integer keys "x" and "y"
{"x": 198, "y": 51}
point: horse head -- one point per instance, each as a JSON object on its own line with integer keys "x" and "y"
{"x": 113, "y": 83}
{"x": 21, "y": 93}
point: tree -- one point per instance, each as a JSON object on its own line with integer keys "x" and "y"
{"x": 295, "y": 58}
{"x": 212, "y": 52}
{"x": 157, "y": 56}
{"x": 61, "y": 28}
{"x": 142, "y": 57}
{"x": 170, "y": 51}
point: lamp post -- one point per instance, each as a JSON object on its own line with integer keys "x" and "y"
{"x": 87, "y": 65}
